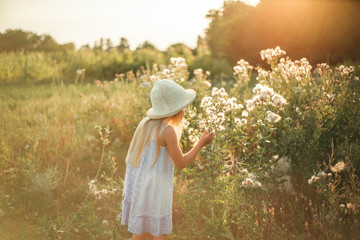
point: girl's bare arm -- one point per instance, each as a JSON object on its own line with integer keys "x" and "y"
{"x": 182, "y": 160}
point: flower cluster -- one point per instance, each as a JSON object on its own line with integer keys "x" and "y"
{"x": 250, "y": 181}
{"x": 178, "y": 62}
{"x": 273, "y": 117}
{"x": 344, "y": 71}
{"x": 339, "y": 167}
{"x": 99, "y": 190}
{"x": 288, "y": 69}
{"x": 176, "y": 71}
{"x": 216, "y": 107}
{"x": 323, "y": 68}
{"x": 318, "y": 176}
{"x": 263, "y": 95}
{"x": 242, "y": 70}
{"x": 272, "y": 54}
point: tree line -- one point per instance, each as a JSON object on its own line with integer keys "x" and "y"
{"x": 322, "y": 30}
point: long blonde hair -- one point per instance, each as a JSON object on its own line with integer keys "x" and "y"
{"x": 144, "y": 132}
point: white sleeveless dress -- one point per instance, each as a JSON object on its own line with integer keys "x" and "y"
{"x": 148, "y": 193}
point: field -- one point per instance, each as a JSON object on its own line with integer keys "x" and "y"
{"x": 285, "y": 163}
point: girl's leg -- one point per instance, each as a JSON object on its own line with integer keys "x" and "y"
{"x": 161, "y": 237}
{"x": 143, "y": 236}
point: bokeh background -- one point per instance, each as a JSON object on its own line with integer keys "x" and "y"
{"x": 278, "y": 81}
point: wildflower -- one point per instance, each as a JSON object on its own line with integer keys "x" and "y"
{"x": 105, "y": 223}
{"x": 342, "y": 205}
{"x": 244, "y": 114}
{"x": 198, "y": 72}
{"x": 27, "y": 146}
{"x": 145, "y": 84}
{"x": 237, "y": 121}
{"x": 257, "y": 88}
{"x": 278, "y": 100}
{"x": 340, "y": 166}
{"x": 273, "y": 117}
{"x": 244, "y": 171}
{"x": 207, "y": 83}
{"x": 80, "y": 71}
{"x": 250, "y": 105}
{"x": 153, "y": 78}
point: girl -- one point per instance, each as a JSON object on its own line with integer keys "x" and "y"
{"x": 148, "y": 187}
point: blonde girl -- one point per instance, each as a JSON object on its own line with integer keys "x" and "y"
{"x": 148, "y": 187}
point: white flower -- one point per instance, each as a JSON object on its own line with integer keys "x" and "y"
{"x": 244, "y": 114}
{"x": 250, "y": 105}
{"x": 257, "y": 88}
{"x": 244, "y": 171}
{"x": 80, "y": 71}
{"x": 237, "y": 121}
{"x": 278, "y": 100}
{"x": 243, "y": 121}
{"x": 273, "y": 117}
{"x": 207, "y": 83}
{"x": 340, "y": 166}
{"x": 198, "y": 72}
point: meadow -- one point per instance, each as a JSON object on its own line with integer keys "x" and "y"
{"x": 285, "y": 163}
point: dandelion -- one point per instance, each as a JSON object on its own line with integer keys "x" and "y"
{"x": 273, "y": 117}
{"x": 340, "y": 166}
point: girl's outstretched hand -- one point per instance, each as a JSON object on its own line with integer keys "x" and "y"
{"x": 207, "y": 138}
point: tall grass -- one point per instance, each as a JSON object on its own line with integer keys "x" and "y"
{"x": 279, "y": 171}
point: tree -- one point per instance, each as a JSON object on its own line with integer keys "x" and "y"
{"x": 124, "y": 44}
{"x": 322, "y": 31}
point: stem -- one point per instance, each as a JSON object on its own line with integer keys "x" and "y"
{"x": 88, "y": 191}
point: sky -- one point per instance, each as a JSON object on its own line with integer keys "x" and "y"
{"x": 162, "y": 22}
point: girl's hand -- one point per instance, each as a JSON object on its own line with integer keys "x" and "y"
{"x": 206, "y": 138}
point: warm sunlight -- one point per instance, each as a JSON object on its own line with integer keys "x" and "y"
{"x": 161, "y": 22}
{"x": 251, "y": 2}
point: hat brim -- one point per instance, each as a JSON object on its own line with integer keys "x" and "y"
{"x": 191, "y": 97}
